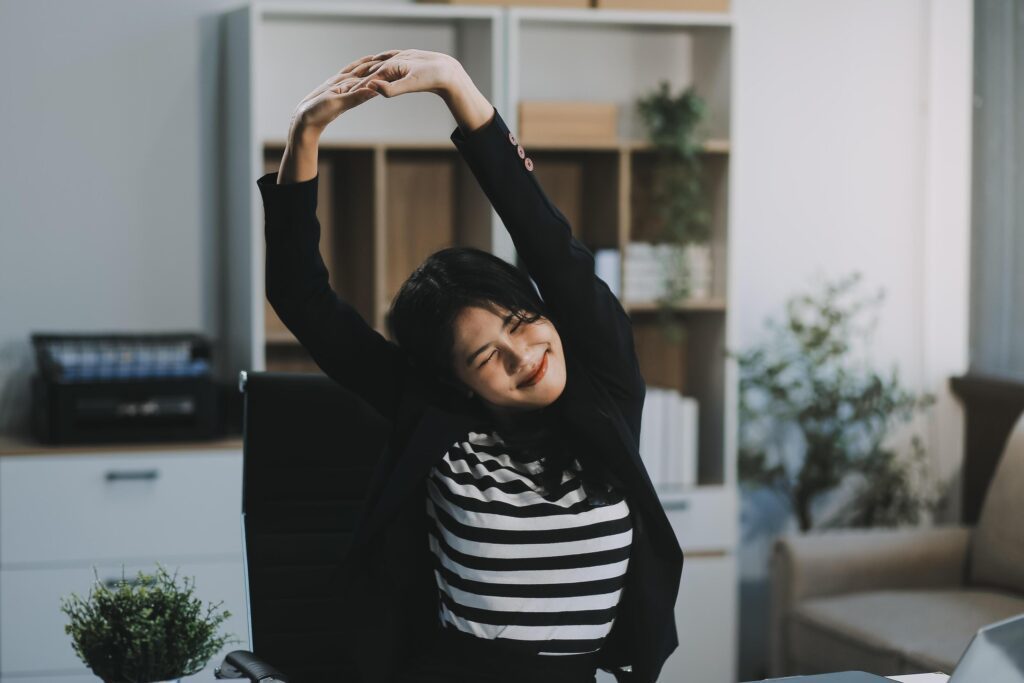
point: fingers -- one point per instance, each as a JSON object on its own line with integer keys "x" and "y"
{"x": 392, "y": 88}
{"x": 363, "y": 82}
{"x": 344, "y": 86}
{"x": 356, "y": 63}
{"x": 366, "y": 67}
{"x": 353, "y": 98}
{"x": 361, "y": 68}
{"x": 386, "y": 71}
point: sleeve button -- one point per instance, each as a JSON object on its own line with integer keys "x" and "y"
{"x": 529, "y": 163}
{"x": 520, "y": 151}
{"x": 512, "y": 138}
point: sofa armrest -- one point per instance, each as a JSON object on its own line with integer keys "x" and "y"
{"x": 852, "y": 560}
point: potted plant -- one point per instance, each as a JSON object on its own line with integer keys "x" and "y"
{"x": 810, "y": 416}
{"x": 144, "y": 630}
{"x": 677, "y": 191}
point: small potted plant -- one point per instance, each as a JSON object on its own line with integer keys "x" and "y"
{"x": 145, "y": 629}
{"x": 678, "y": 192}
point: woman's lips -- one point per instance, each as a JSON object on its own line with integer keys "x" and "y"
{"x": 539, "y": 375}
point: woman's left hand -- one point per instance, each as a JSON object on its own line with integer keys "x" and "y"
{"x": 404, "y": 71}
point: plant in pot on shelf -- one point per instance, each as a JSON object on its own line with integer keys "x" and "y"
{"x": 681, "y": 215}
{"x": 145, "y": 629}
{"x": 810, "y": 417}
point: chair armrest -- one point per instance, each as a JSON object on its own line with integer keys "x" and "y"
{"x": 851, "y": 560}
{"x": 244, "y": 664}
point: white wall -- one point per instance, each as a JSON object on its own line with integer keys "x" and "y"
{"x": 852, "y": 138}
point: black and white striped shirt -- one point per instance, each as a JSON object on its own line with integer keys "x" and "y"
{"x": 509, "y": 563}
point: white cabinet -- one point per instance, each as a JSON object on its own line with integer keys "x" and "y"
{"x": 64, "y": 513}
{"x": 706, "y": 607}
{"x": 77, "y": 507}
{"x": 705, "y": 621}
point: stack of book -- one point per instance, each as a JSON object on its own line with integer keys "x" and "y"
{"x": 668, "y": 438}
{"x": 606, "y": 267}
{"x": 653, "y": 270}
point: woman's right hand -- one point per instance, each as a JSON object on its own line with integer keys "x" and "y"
{"x": 337, "y": 94}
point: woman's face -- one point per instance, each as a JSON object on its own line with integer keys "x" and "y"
{"x": 499, "y": 356}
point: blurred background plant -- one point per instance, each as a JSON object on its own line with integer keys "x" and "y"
{"x": 144, "y": 629}
{"x": 810, "y": 416}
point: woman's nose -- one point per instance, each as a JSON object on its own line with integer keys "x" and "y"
{"x": 518, "y": 358}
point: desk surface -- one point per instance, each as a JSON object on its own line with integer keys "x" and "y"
{"x": 11, "y": 444}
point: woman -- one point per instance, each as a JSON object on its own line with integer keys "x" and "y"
{"x": 510, "y": 532}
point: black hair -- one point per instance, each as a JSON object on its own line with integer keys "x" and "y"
{"x": 421, "y": 321}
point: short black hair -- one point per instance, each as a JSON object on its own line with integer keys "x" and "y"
{"x": 422, "y": 315}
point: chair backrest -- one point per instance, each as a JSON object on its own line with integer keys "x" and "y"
{"x": 997, "y": 553}
{"x": 309, "y": 449}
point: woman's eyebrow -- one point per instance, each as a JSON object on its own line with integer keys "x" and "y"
{"x": 504, "y": 323}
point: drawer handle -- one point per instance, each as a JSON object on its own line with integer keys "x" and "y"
{"x": 132, "y": 475}
{"x": 677, "y": 504}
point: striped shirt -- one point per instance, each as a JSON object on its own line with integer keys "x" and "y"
{"x": 512, "y": 564}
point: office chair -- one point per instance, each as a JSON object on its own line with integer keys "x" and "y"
{"x": 309, "y": 449}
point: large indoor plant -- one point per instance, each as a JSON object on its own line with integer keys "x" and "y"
{"x": 810, "y": 416}
{"x": 144, "y": 629}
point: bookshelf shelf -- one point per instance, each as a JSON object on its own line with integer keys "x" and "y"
{"x": 687, "y": 306}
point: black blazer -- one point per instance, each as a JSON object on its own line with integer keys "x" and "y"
{"x": 388, "y": 579}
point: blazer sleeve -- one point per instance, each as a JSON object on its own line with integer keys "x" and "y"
{"x": 588, "y": 315}
{"x": 341, "y": 342}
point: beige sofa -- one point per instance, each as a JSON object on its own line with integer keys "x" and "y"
{"x": 893, "y": 601}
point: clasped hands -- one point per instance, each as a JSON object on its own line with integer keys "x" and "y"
{"x": 390, "y": 73}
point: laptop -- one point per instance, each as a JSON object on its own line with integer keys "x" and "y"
{"x": 995, "y": 653}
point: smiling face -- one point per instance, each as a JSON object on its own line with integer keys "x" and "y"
{"x": 510, "y": 364}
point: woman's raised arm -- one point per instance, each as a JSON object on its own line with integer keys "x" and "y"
{"x": 345, "y": 347}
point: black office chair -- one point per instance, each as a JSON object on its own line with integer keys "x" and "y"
{"x": 309, "y": 448}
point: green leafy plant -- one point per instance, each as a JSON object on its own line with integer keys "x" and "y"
{"x": 809, "y": 416}
{"x": 677, "y": 189}
{"x": 143, "y": 630}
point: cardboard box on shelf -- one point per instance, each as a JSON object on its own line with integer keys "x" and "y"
{"x": 666, "y": 5}
{"x": 512, "y": 3}
{"x": 559, "y": 122}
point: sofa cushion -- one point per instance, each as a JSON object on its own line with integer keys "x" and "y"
{"x": 997, "y": 552}
{"x": 892, "y": 631}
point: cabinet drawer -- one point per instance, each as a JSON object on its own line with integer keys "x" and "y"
{"x": 706, "y": 621}
{"x": 81, "y": 508}
{"x": 704, "y": 518}
{"x": 32, "y": 638}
